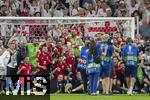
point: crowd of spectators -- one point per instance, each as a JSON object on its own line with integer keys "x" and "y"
{"x": 79, "y": 8}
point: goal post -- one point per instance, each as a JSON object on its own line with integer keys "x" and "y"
{"x": 92, "y": 25}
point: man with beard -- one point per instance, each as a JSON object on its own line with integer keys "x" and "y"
{"x": 44, "y": 60}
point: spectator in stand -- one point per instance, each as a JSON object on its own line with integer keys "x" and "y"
{"x": 33, "y": 6}
{"x": 101, "y": 9}
{"x": 47, "y": 10}
{"x": 24, "y": 10}
{"x": 59, "y": 9}
{"x": 91, "y": 11}
{"x": 37, "y": 14}
{"x": 3, "y": 10}
{"x": 75, "y": 9}
{"x": 145, "y": 28}
{"x": 82, "y": 12}
{"x": 14, "y": 5}
{"x": 122, "y": 10}
{"x": 145, "y": 9}
{"x": 13, "y": 13}
{"x": 132, "y": 6}
{"x": 8, "y": 30}
{"x": 66, "y": 12}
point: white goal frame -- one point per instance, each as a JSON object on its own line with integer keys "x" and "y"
{"x": 77, "y": 18}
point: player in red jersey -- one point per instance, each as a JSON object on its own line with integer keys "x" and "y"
{"x": 24, "y": 69}
{"x": 60, "y": 67}
{"x": 44, "y": 60}
{"x": 49, "y": 44}
{"x": 70, "y": 61}
{"x": 69, "y": 57}
{"x": 58, "y": 50}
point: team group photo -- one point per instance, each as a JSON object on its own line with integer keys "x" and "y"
{"x": 75, "y": 49}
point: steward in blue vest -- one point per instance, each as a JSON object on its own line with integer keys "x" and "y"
{"x": 82, "y": 64}
{"x": 130, "y": 54}
{"x": 93, "y": 67}
{"x": 82, "y": 61}
{"x": 105, "y": 55}
{"x": 106, "y": 51}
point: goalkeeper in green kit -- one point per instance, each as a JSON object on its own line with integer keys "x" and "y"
{"x": 32, "y": 51}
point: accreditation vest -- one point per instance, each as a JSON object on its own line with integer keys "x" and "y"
{"x": 130, "y": 55}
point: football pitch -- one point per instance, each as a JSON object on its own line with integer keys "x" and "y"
{"x": 24, "y": 97}
{"x": 98, "y": 97}
{"x": 77, "y": 97}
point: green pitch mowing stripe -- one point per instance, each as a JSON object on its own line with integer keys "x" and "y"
{"x": 99, "y": 97}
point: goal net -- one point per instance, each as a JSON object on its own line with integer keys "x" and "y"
{"x": 56, "y": 26}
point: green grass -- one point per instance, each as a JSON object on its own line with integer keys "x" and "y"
{"x": 99, "y": 97}
{"x": 24, "y": 97}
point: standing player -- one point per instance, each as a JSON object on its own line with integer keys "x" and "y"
{"x": 33, "y": 51}
{"x": 44, "y": 60}
{"x": 130, "y": 55}
{"x": 49, "y": 44}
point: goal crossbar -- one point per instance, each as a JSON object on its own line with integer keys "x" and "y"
{"x": 132, "y": 19}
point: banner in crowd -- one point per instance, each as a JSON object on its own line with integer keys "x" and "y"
{"x": 108, "y": 26}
